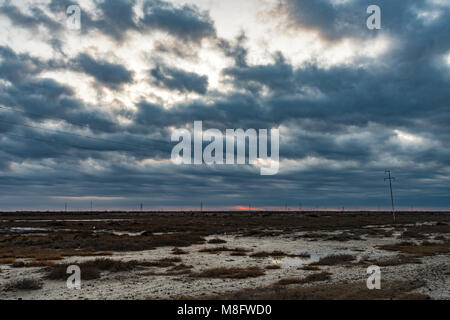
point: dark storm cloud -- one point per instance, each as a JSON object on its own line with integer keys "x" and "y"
{"x": 236, "y": 49}
{"x": 118, "y": 17}
{"x": 178, "y": 79}
{"x": 278, "y": 76}
{"x": 320, "y": 15}
{"x": 225, "y": 112}
{"x": 335, "y": 21}
{"x": 115, "y": 18}
{"x": 185, "y": 22}
{"x": 109, "y": 74}
{"x": 175, "y": 49}
{"x": 17, "y": 67}
{"x": 337, "y": 123}
{"x": 40, "y": 98}
{"x": 33, "y": 21}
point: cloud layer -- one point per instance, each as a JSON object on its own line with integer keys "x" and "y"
{"x": 90, "y": 113}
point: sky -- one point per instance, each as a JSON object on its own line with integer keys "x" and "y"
{"x": 87, "y": 115}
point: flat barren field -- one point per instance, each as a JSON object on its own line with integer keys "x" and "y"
{"x": 225, "y": 255}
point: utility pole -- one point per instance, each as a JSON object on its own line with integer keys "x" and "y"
{"x": 392, "y": 194}
{"x": 92, "y": 205}
{"x": 142, "y": 206}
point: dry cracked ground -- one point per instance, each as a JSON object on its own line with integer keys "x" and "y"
{"x": 244, "y": 255}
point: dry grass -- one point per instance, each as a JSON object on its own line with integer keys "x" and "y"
{"x": 399, "y": 290}
{"x": 343, "y": 237}
{"x": 44, "y": 254}
{"x": 309, "y": 268}
{"x": 334, "y": 259}
{"x": 24, "y": 284}
{"x": 238, "y": 254}
{"x": 32, "y": 264}
{"x": 59, "y": 272}
{"x": 77, "y": 253}
{"x": 162, "y": 263}
{"x": 111, "y": 265}
{"x": 428, "y": 249}
{"x": 68, "y": 243}
{"x": 412, "y": 234}
{"x": 180, "y": 267}
{"x": 231, "y": 273}
{"x": 315, "y": 277}
{"x": 278, "y": 254}
{"x": 177, "y": 270}
{"x": 392, "y": 261}
{"x": 179, "y": 251}
{"x": 216, "y": 241}
{"x": 7, "y": 260}
{"x": 273, "y": 267}
{"x": 217, "y": 250}
{"x": 47, "y": 256}
{"x": 91, "y": 269}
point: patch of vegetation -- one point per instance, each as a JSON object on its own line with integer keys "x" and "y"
{"x": 217, "y": 250}
{"x": 334, "y": 259}
{"x": 273, "y": 267}
{"x": 216, "y": 241}
{"x": 231, "y": 273}
{"x": 397, "y": 290}
{"x": 238, "y": 253}
{"x": 343, "y": 237}
{"x": 179, "y": 251}
{"x": 315, "y": 277}
{"x": 162, "y": 263}
{"x": 32, "y": 264}
{"x": 47, "y": 256}
{"x": 412, "y": 234}
{"x": 391, "y": 261}
{"x": 24, "y": 284}
{"x": 7, "y": 260}
{"x": 180, "y": 269}
{"x": 418, "y": 250}
{"x": 91, "y": 269}
{"x": 309, "y": 268}
{"x": 278, "y": 254}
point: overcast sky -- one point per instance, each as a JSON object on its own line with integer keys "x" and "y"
{"x": 88, "y": 115}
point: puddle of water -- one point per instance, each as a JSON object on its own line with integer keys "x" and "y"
{"x": 164, "y": 233}
{"x": 124, "y": 233}
{"x": 28, "y": 229}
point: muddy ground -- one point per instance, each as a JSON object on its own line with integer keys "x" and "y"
{"x": 245, "y": 255}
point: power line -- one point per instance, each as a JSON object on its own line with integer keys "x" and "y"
{"x": 392, "y": 194}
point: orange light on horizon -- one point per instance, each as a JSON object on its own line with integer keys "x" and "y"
{"x": 243, "y": 208}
